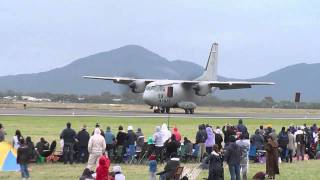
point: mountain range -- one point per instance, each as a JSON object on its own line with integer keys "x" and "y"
{"x": 136, "y": 61}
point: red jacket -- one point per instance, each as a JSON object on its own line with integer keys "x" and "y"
{"x": 177, "y": 134}
{"x": 103, "y": 168}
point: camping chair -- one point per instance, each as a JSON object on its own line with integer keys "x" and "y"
{"x": 189, "y": 149}
{"x": 182, "y": 153}
{"x": 144, "y": 154}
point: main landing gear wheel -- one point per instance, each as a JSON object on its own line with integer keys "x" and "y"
{"x": 189, "y": 111}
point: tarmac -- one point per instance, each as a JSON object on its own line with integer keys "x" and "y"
{"x": 150, "y": 114}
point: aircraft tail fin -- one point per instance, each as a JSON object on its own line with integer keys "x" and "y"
{"x": 211, "y": 71}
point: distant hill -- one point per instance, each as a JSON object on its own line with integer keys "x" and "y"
{"x": 136, "y": 61}
{"x": 302, "y": 78}
{"x": 129, "y": 61}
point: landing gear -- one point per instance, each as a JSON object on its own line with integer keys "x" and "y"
{"x": 162, "y": 110}
{"x": 168, "y": 110}
{"x": 189, "y": 111}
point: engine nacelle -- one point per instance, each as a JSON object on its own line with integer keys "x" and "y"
{"x": 202, "y": 89}
{"x": 137, "y": 86}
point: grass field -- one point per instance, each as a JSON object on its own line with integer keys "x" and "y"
{"x": 50, "y": 128}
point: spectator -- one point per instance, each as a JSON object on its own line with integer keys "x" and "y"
{"x": 42, "y": 147}
{"x": 201, "y": 137}
{"x": 242, "y": 128}
{"x": 232, "y": 156}
{"x": 69, "y": 136}
{"x": 257, "y": 140}
{"x": 177, "y": 134}
{"x": 274, "y": 135}
{"x": 32, "y": 151}
{"x": 83, "y": 140}
{"x": 215, "y": 161}
{"x": 283, "y": 141}
{"x": 301, "y": 143}
{"x": 2, "y": 133}
{"x": 272, "y": 167}
{"x": 228, "y": 131}
{"x": 218, "y": 137}
{"x": 170, "y": 168}
{"x": 23, "y": 157}
{"x": 152, "y": 167}
{"x": 96, "y": 148}
{"x": 131, "y": 139}
{"x": 158, "y": 142}
{"x": 86, "y": 175}
{"x": 98, "y": 126}
{"x": 15, "y": 139}
{"x": 290, "y": 146}
{"x": 166, "y": 134}
{"x": 121, "y": 142}
{"x": 110, "y": 141}
{"x": 172, "y": 146}
{"x": 210, "y": 141}
{"x": 140, "y": 142}
{"x": 244, "y": 145}
{"x": 102, "y": 171}
{"x": 118, "y": 173}
{"x": 261, "y": 130}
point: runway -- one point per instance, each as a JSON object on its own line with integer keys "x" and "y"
{"x": 146, "y": 114}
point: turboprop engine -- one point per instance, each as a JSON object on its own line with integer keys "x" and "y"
{"x": 202, "y": 89}
{"x": 137, "y": 86}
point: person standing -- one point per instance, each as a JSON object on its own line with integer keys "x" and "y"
{"x": 201, "y": 137}
{"x": 158, "y": 142}
{"x": 301, "y": 143}
{"x": 215, "y": 161}
{"x": 272, "y": 166}
{"x": 15, "y": 139}
{"x": 110, "y": 141}
{"x": 283, "y": 141}
{"x": 23, "y": 157}
{"x": 290, "y": 146}
{"x": 210, "y": 141}
{"x": 244, "y": 145}
{"x": 152, "y": 167}
{"x": 2, "y": 133}
{"x": 83, "y": 140}
{"x": 121, "y": 142}
{"x": 69, "y": 137}
{"x": 96, "y": 148}
{"x": 131, "y": 139}
{"x": 232, "y": 156}
{"x": 140, "y": 142}
{"x": 218, "y": 137}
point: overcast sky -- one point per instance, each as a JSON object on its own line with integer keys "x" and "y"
{"x": 255, "y": 37}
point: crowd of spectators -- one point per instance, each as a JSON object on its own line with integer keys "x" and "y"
{"x": 212, "y": 146}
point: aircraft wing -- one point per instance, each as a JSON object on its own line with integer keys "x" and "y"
{"x": 225, "y": 85}
{"x": 119, "y": 80}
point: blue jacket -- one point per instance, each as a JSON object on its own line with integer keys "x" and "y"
{"x": 109, "y": 137}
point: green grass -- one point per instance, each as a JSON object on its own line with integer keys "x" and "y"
{"x": 50, "y": 128}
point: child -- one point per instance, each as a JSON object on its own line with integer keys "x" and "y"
{"x": 102, "y": 171}
{"x": 152, "y": 167}
{"x": 117, "y": 173}
{"x": 23, "y": 158}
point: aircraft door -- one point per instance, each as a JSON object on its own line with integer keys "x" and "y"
{"x": 170, "y": 92}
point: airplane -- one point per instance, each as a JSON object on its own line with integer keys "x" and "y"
{"x": 163, "y": 94}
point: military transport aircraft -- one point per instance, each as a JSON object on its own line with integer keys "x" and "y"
{"x": 162, "y": 95}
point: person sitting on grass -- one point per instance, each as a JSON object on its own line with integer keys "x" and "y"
{"x": 118, "y": 173}
{"x": 23, "y": 157}
{"x": 86, "y": 175}
{"x": 102, "y": 171}
{"x": 42, "y": 147}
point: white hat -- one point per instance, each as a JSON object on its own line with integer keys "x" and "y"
{"x": 116, "y": 169}
{"x": 130, "y": 128}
